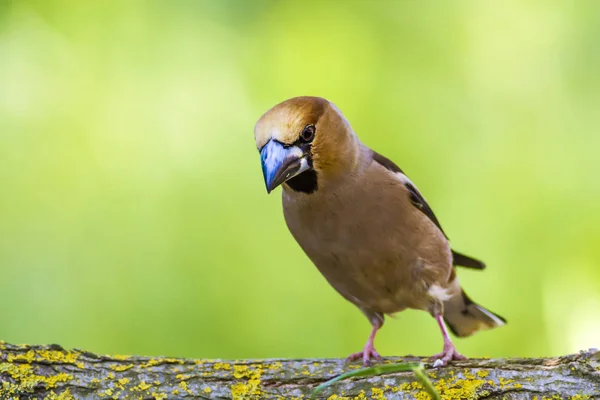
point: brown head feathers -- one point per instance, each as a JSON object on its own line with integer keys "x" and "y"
{"x": 334, "y": 149}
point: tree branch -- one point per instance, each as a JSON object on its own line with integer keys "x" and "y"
{"x": 50, "y": 372}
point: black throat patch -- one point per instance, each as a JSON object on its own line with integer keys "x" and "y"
{"x": 306, "y": 182}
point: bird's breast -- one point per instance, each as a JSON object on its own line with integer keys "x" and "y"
{"x": 369, "y": 245}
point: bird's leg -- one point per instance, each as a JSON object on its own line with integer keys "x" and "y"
{"x": 450, "y": 353}
{"x": 369, "y": 349}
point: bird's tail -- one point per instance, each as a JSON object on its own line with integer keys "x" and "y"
{"x": 464, "y": 317}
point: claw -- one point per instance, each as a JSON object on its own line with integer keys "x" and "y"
{"x": 367, "y": 354}
{"x": 450, "y": 353}
{"x": 369, "y": 351}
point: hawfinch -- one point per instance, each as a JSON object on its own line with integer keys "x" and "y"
{"x": 363, "y": 223}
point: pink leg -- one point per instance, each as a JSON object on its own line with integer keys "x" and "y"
{"x": 450, "y": 353}
{"x": 369, "y": 349}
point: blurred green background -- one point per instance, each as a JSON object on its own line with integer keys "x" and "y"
{"x": 133, "y": 215}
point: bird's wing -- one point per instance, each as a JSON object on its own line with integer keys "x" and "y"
{"x": 417, "y": 199}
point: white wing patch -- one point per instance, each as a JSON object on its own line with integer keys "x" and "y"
{"x": 406, "y": 181}
{"x": 403, "y": 178}
{"x": 439, "y": 293}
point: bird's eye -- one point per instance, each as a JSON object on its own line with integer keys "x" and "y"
{"x": 308, "y": 133}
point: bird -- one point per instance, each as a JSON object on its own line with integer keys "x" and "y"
{"x": 364, "y": 224}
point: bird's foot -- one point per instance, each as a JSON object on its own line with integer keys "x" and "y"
{"x": 450, "y": 353}
{"x": 367, "y": 354}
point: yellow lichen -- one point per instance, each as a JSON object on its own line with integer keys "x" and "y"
{"x": 508, "y": 382}
{"x": 121, "y": 368}
{"x": 249, "y": 389}
{"x": 159, "y": 396}
{"x": 157, "y": 361}
{"x": 27, "y": 357}
{"x": 207, "y": 390}
{"x": 459, "y": 388}
{"x": 184, "y": 386}
{"x": 52, "y": 380}
{"x": 26, "y": 380}
{"x": 377, "y": 393}
{"x": 240, "y": 371}
{"x": 277, "y": 366}
{"x": 144, "y": 386}
{"x": 482, "y": 373}
{"x": 451, "y": 388}
{"x": 222, "y": 365}
{"x": 123, "y": 381}
{"x": 150, "y": 363}
{"x": 52, "y": 356}
{"x": 239, "y": 390}
{"x": 119, "y": 385}
{"x": 121, "y": 357}
{"x": 58, "y": 356}
{"x": 66, "y": 395}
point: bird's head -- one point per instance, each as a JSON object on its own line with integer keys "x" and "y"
{"x": 306, "y": 143}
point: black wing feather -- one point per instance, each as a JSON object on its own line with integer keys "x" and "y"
{"x": 418, "y": 201}
{"x": 466, "y": 261}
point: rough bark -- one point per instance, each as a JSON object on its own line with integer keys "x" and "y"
{"x": 50, "y": 372}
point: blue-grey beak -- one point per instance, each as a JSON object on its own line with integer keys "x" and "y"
{"x": 280, "y": 164}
